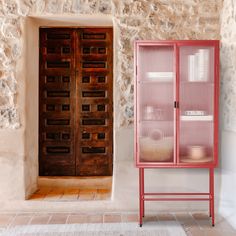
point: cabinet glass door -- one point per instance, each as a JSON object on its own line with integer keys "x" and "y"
{"x": 196, "y": 104}
{"x": 155, "y": 103}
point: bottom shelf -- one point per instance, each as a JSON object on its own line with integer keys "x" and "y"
{"x": 191, "y": 160}
{"x": 171, "y": 163}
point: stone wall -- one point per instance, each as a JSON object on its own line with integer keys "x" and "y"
{"x": 140, "y": 19}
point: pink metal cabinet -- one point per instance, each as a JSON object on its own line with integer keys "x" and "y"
{"x": 176, "y": 111}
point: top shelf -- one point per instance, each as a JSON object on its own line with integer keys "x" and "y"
{"x": 161, "y": 80}
{"x": 152, "y": 77}
{"x": 171, "y": 80}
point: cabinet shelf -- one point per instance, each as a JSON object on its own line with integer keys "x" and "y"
{"x": 196, "y": 161}
{"x": 196, "y": 83}
{"x": 196, "y": 118}
{"x": 147, "y": 121}
{"x": 156, "y": 81}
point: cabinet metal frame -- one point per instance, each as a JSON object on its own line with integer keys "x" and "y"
{"x": 159, "y": 196}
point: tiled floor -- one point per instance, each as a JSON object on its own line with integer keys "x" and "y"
{"x": 70, "y": 194}
{"x": 73, "y": 188}
{"x": 195, "y": 224}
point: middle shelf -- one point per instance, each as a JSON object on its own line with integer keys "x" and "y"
{"x": 197, "y": 118}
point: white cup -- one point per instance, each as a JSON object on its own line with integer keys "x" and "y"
{"x": 196, "y": 152}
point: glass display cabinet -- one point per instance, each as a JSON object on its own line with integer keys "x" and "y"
{"x": 176, "y": 111}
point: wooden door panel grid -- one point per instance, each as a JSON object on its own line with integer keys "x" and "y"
{"x": 75, "y": 105}
{"x": 95, "y": 103}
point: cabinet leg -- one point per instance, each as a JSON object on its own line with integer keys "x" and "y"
{"x": 210, "y": 203}
{"x": 140, "y": 197}
{"x": 143, "y": 205}
{"x": 212, "y": 196}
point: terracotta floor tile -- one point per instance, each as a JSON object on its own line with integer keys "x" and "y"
{"x": 29, "y": 214}
{"x": 70, "y": 195}
{"x": 52, "y": 197}
{"x": 73, "y": 219}
{"x": 103, "y": 194}
{"x": 195, "y": 232}
{"x": 224, "y": 226}
{"x": 37, "y": 197}
{"x": 71, "y": 191}
{"x": 200, "y": 216}
{"x": 54, "y": 194}
{"x": 132, "y": 217}
{"x": 57, "y": 191}
{"x": 58, "y": 218}
{"x": 104, "y": 191}
{"x": 6, "y": 219}
{"x": 112, "y": 218}
{"x": 40, "y": 219}
{"x": 21, "y": 220}
{"x": 183, "y": 216}
{"x": 204, "y": 224}
{"x": 148, "y": 218}
{"x": 43, "y": 190}
{"x": 215, "y": 232}
{"x": 189, "y": 225}
{"x": 165, "y": 217}
{"x": 87, "y": 194}
{"x": 96, "y": 218}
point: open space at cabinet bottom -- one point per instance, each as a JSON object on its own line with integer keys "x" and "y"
{"x": 161, "y": 196}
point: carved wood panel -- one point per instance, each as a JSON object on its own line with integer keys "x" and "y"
{"x": 57, "y": 102}
{"x": 95, "y": 106}
{"x": 75, "y": 105}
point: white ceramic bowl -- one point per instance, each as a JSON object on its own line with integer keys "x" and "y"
{"x": 156, "y": 150}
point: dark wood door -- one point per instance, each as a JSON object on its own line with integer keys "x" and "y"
{"x": 94, "y": 68}
{"x": 75, "y": 102}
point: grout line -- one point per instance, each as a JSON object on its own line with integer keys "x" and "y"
{"x": 195, "y": 221}
{"x": 31, "y": 218}
{"x": 10, "y": 223}
{"x": 69, "y": 214}
{"x": 49, "y": 219}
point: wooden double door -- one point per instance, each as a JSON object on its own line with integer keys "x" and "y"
{"x": 76, "y": 102}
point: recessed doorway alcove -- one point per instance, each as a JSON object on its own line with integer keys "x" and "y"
{"x": 31, "y": 65}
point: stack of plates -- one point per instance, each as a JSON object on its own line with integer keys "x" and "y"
{"x": 198, "y": 66}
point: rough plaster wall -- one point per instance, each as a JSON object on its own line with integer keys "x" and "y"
{"x": 140, "y": 19}
{"x": 227, "y": 204}
{"x": 228, "y": 65}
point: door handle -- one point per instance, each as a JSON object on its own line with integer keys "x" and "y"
{"x": 176, "y": 104}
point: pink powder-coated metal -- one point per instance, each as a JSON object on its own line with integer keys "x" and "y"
{"x": 173, "y": 79}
